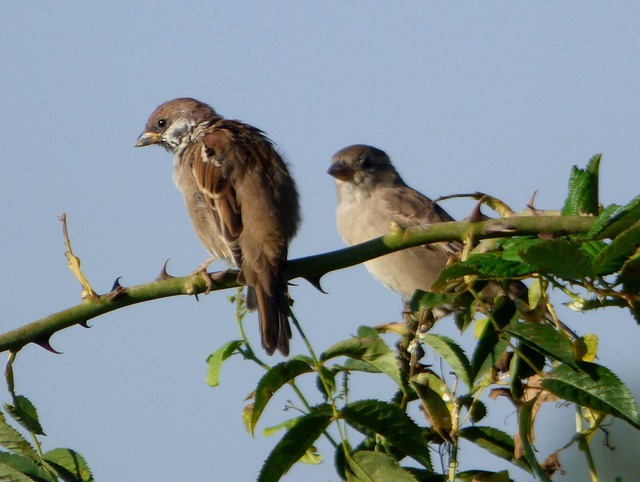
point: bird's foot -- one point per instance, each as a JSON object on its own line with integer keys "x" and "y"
{"x": 202, "y": 271}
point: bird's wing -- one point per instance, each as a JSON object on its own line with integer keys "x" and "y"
{"x": 238, "y": 175}
{"x": 219, "y": 194}
{"x": 411, "y": 209}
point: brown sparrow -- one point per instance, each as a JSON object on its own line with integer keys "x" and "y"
{"x": 241, "y": 200}
{"x": 372, "y": 195}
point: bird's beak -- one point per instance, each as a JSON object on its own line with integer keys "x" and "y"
{"x": 341, "y": 170}
{"x": 148, "y": 138}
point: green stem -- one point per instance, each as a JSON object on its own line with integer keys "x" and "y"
{"x": 583, "y": 445}
{"x": 311, "y": 267}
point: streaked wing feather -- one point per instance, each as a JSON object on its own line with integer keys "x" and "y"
{"x": 412, "y": 209}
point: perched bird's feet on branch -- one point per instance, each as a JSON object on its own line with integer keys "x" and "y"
{"x": 202, "y": 271}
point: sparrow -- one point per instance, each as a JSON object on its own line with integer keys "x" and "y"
{"x": 241, "y": 200}
{"x": 372, "y": 195}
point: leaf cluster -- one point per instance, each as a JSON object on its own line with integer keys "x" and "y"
{"x": 24, "y": 461}
{"x": 522, "y": 352}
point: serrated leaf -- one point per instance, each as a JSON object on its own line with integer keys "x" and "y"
{"x": 623, "y": 218}
{"x": 451, "y": 353}
{"x": 593, "y": 386}
{"x": 367, "y": 346}
{"x": 490, "y": 347}
{"x": 602, "y": 221}
{"x": 495, "y": 442}
{"x": 432, "y": 393}
{"x": 483, "y": 475}
{"x": 544, "y": 339}
{"x": 272, "y": 381}
{"x": 476, "y": 410}
{"x": 630, "y": 274}
{"x": 611, "y": 258}
{"x": 355, "y": 365}
{"x": 520, "y": 369}
{"x": 427, "y": 300}
{"x": 489, "y": 266}
{"x": 24, "y": 412}
{"x": 294, "y": 444}
{"x": 592, "y": 249}
{"x": 13, "y": 467}
{"x": 14, "y": 442}
{"x": 69, "y": 464}
{"x": 215, "y": 360}
{"x": 391, "y": 422}
{"x": 511, "y": 247}
{"x": 10, "y": 473}
{"x": 558, "y": 257}
{"x": 525, "y": 429}
{"x": 368, "y": 466}
{"x": 583, "y": 189}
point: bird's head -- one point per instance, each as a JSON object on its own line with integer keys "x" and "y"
{"x": 363, "y": 167}
{"x": 173, "y": 123}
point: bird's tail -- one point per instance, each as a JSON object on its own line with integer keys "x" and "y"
{"x": 273, "y": 313}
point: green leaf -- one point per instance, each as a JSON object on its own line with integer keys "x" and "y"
{"x": 630, "y": 274}
{"x": 495, "y": 442}
{"x": 217, "y": 357}
{"x": 483, "y": 475}
{"x": 367, "y": 466}
{"x": 295, "y": 444}
{"x": 624, "y": 218}
{"x": 558, "y": 257}
{"x": 69, "y": 464}
{"x": 427, "y": 300}
{"x": 25, "y": 414}
{"x": 520, "y": 369}
{"x": 602, "y": 221}
{"x": 583, "y": 189}
{"x": 489, "y": 266}
{"x": 391, "y": 422}
{"x": 545, "y": 339}
{"x": 272, "y": 381}
{"x": 477, "y": 410}
{"x": 511, "y": 247}
{"x": 432, "y": 392}
{"x": 525, "y": 429}
{"x": 451, "y": 353}
{"x": 593, "y": 386}
{"x": 18, "y": 468}
{"x": 367, "y": 346}
{"x": 490, "y": 347}
{"x": 611, "y": 258}
{"x": 10, "y": 473}
{"x": 355, "y": 365}
{"x": 13, "y": 441}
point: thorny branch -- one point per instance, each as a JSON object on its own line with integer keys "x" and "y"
{"x": 311, "y": 268}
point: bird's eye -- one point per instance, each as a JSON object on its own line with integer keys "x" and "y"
{"x": 366, "y": 163}
{"x": 162, "y": 123}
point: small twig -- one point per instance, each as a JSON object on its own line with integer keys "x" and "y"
{"x": 74, "y": 263}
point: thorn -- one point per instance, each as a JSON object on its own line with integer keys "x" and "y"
{"x": 163, "y": 272}
{"x": 315, "y": 282}
{"x": 532, "y": 199}
{"x": 116, "y": 284}
{"x": 117, "y": 290}
{"x": 44, "y": 343}
{"x": 476, "y": 214}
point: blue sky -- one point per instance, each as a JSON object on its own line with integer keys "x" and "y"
{"x": 502, "y": 98}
